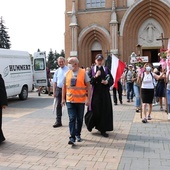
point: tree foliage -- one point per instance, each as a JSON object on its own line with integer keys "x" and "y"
{"x": 4, "y": 37}
{"x": 52, "y": 59}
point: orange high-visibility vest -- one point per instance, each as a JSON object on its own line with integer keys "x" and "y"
{"x": 77, "y": 93}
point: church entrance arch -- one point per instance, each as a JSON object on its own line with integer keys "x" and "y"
{"x": 148, "y": 34}
{"x": 96, "y": 49}
{"x": 134, "y": 29}
{"x": 92, "y": 40}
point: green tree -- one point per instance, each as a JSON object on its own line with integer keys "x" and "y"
{"x": 4, "y": 37}
{"x": 51, "y": 60}
{"x": 56, "y": 55}
{"x": 62, "y": 53}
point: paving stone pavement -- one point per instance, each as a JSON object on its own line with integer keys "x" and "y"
{"x": 32, "y": 143}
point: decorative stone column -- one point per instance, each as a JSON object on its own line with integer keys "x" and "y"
{"x": 74, "y": 29}
{"x": 114, "y": 30}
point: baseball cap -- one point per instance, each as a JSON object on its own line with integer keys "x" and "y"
{"x": 99, "y": 57}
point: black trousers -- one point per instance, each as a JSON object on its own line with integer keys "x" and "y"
{"x": 59, "y": 107}
{"x": 119, "y": 90}
{"x": 2, "y": 138}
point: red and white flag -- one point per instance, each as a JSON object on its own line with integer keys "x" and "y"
{"x": 117, "y": 69}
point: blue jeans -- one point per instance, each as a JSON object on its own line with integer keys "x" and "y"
{"x": 76, "y": 115}
{"x": 168, "y": 100}
{"x": 137, "y": 95}
{"x": 129, "y": 90}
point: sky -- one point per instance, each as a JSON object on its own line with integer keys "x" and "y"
{"x": 34, "y": 24}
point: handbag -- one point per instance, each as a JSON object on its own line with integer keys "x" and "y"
{"x": 89, "y": 121}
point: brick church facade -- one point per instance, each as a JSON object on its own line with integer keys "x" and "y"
{"x": 116, "y": 26}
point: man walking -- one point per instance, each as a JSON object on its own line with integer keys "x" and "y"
{"x": 75, "y": 93}
{"x": 129, "y": 83}
{"x": 57, "y": 89}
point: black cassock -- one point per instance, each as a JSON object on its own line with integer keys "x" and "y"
{"x": 101, "y": 100}
{"x": 3, "y": 101}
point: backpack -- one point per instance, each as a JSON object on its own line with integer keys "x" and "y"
{"x": 129, "y": 79}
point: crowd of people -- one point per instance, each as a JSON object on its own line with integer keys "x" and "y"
{"x": 80, "y": 87}
{"x": 77, "y": 87}
{"x": 142, "y": 84}
{"x": 147, "y": 85}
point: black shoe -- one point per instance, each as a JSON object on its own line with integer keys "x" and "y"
{"x": 128, "y": 101}
{"x": 39, "y": 94}
{"x": 115, "y": 103}
{"x": 104, "y": 134}
{"x": 71, "y": 141}
{"x": 2, "y": 140}
{"x": 57, "y": 125}
{"x": 144, "y": 120}
{"x": 137, "y": 110}
{"x": 121, "y": 102}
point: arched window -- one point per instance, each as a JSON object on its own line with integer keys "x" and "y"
{"x": 95, "y": 3}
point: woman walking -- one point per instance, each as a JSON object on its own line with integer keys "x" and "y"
{"x": 147, "y": 89}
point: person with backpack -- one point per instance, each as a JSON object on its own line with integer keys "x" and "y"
{"x": 147, "y": 89}
{"x": 136, "y": 88}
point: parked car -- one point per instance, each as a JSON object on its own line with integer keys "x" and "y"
{"x": 45, "y": 89}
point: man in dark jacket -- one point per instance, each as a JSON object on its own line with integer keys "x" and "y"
{"x": 3, "y": 104}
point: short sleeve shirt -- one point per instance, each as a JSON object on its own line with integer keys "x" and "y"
{"x": 59, "y": 76}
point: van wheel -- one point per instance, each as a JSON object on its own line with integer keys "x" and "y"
{"x": 24, "y": 93}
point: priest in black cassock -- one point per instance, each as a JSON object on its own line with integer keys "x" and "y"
{"x": 101, "y": 80}
{"x": 3, "y": 104}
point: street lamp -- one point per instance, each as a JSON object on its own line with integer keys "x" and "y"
{"x": 138, "y": 46}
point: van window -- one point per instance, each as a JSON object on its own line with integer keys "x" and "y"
{"x": 39, "y": 64}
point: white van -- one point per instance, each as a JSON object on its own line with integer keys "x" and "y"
{"x": 39, "y": 69}
{"x": 16, "y": 70}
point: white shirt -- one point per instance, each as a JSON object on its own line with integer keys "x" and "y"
{"x": 148, "y": 81}
{"x": 59, "y": 76}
